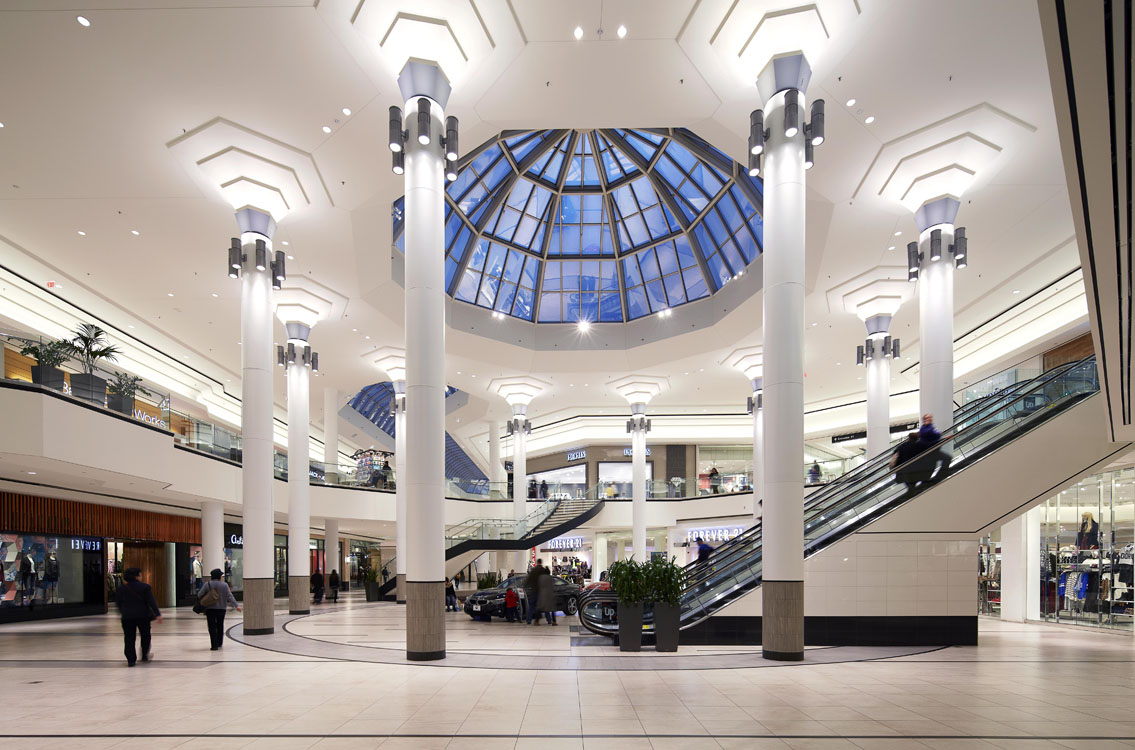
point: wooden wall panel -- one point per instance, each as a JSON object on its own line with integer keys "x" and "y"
{"x": 1072, "y": 351}
{"x": 152, "y": 559}
{"x": 51, "y": 516}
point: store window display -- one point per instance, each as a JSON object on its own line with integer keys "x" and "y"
{"x": 43, "y": 570}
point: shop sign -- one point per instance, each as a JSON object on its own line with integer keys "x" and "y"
{"x": 896, "y": 428}
{"x": 630, "y": 451}
{"x": 86, "y": 545}
{"x": 714, "y": 534}
{"x": 576, "y": 455}
{"x": 142, "y": 416}
{"x": 565, "y": 542}
{"x": 234, "y": 535}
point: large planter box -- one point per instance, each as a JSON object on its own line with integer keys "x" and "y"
{"x": 51, "y": 377}
{"x": 372, "y": 590}
{"x": 120, "y": 404}
{"x": 666, "y": 623}
{"x": 630, "y": 627}
{"x": 89, "y": 388}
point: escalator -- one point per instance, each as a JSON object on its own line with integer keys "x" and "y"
{"x": 1055, "y": 405}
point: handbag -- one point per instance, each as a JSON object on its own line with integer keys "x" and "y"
{"x": 206, "y": 599}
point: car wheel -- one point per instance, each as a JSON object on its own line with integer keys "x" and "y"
{"x": 572, "y": 606}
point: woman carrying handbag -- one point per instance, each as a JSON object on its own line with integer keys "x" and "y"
{"x": 215, "y": 598}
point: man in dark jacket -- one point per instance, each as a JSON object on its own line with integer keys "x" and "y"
{"x": 935, "y": 465}
{"x": 137, "y": 606}
{"x": 907, "y": 450}
{"x": 532, "y": 591}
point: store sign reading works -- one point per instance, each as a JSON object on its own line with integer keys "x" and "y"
{"x": 715, "y": 534}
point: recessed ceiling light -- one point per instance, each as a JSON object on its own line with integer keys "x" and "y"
{"x": 129, "y": 326}
{"x": 285, "y": 242}
{"x": 584, "y": 326}
{"x": 621, "y": 31}
{"x": 898, "y": 233}
{"x": 892, "y": 247}
{"x": 815, "y": 324}
{"x": 1, "y": 124}
{"x": 578, "y": 33}
{"x": 837, "y": 364}
{"x": 851, "y": 102}
{"x": 135, "y": 232}
{"x": 459, "y": 372}
{"x": 1016, "y": 291}
{"x": 81, "y": 233}
{"x": 367, "y": 338}
{"x": 291, "y": 257}
{"x": 31, "y": 472}
{"x": 870, "y": 119}
{"x": 169, "y": 294}
{"x": 473, "y": 375}
{"x": 571, "y": 385}
{"x": 354, "y": 330}
{"x": 326, "y": 128}
{"x": 347, "y": 111}
{"x": 83, "y": 20}
{"x": 216, "y": 295}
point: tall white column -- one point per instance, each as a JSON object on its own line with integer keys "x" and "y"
{"x": 1014, "y": 569}
{"x": 878, "y": 404}
{"x": 424, "y": 476}
{"x": 400, "y": 490}
{"x": 299, "y": 459}
{"x": 331, "y": 433}
{"x": 496, "y": 468}
{"x": 520, "y": 479}
{"x": 212, "y": 535}
{"x": 638, "y": 482}
{"x": 758, "y": 447}
{"x": 256, "y": 421}
{"x": 936, "y": 312}
{"x": 784, "y": 204}
{"x": 1032, "y": 562}
{"x": 330, "y": 547}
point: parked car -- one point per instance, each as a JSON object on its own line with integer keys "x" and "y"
{"x": 489, "y": 603}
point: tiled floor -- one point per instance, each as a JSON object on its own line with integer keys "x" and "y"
{"x": 1027, "y": 686}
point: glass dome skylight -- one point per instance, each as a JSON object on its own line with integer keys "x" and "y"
{"x": 558, "y": 226}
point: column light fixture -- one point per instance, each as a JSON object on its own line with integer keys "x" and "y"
{"x": 913, "y": 260}
{"x": 261, "y": 255}
{"x": 809, "y": 149}
{"x": 960, "y": 247}
{"x": 813, "y": 130}
{"x": 235, "y": 258}
{"x": 278, "y": 270}
{"x": 397, "y": 135}
{"x": 791, "y": 113}
{"x": 816, "y": 123}
{"x": 936, "y": 244}
{"x": 424, "y": 121}
{"x": 756, "y": 132}
{"x": 399, "y": 166}
{"x": 451, "y": 138}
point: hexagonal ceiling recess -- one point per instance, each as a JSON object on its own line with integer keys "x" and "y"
{"x": 609, "y": 225}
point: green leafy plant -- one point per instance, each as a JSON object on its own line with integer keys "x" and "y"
{"x": 665, "y": 580}
{"x": 488, "y": 580}
{"x": 372, "y": 575}
{"x": 89, "y": 345}
{"x": 628, "y": 580}
{"x": 48, "y": 353}
{"x": 126, "y": 386}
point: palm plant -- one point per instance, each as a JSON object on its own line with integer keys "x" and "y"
{"x": 89, "y": 345}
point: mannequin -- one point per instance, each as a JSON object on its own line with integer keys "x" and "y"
{"x": 198, "y": 571}
{"x": 1089, "y": 534}
{"x": 51, "y": 574}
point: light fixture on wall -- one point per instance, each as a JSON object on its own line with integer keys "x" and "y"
{"x": 261, "y": 255}
{"x": 960, "y": 248}
{"x": 451, "y": 138}
{"x": 399, "y": 165}
{"x": 809, "y": 149}
{"x": 756, "y": 132}
{"x": 397, "y": 135}
{"x": 791, "y": 113}
{"x": 913, "y": 261}
{"x": 816, "y": 123}
{"x": 424, "y": 121}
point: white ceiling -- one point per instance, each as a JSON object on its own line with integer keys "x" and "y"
{"x": 93, "y": 119}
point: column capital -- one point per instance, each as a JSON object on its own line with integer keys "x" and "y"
{"x": 640, "y": 389}
{"x": 878, "y": 325}
{"x": 943, "y": 210}
{"x": 257, "y": 221}
{"x": 748, "y": 360}
{"x": 789, "y": 70}
{"x": 392, "y": 361}
{"x": 758, "y": 385}
{"x": 424, "y": 78}
{"x": 518, "y": 390}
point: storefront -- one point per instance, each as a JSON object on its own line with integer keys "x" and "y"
{"x": 361, "y": 557}
{"x": 50, "y": 576}
{"x": 569, "y": 556}
{"x": 617, "y": 545}
{"x": 714, "y": 532}
{"x": 615, "y": 479}
{"x": 724, "y": 468}
{"x": 564, "y": 483}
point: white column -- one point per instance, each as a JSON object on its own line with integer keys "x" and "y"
{"x": 331, "y": 431}
{"x": 256, "y": 423}
{"x": 758, "y": 447}
{"x": 330, "y": 547}
{"x": 1032, "y": 562}
{"x": 638, "y": 482}
{"x": 299, "y": 486}
{"x": 1014, "y": 569}
{"x": 496, "y": 468}
{"x": 784, "y": 205}
{"x": 520, "y": 479}
{"x": 400, "y": 490}
{"x": 936, "y": 313}
{"x": 212, "y": 536}
{"x": 878, "y": 399}
{"x": 425, "y": 365}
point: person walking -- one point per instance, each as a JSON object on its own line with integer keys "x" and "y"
{"x": 907, "y": 450}
{"x": 317, "y": 587}
{"x": 543, "y": 489}
{"x": 216, "y": 597}
{"x": 532, "y": 592}
{"x": 450, "y": 595}
{"x": 333, "y": 582}
{"x": 935, "y": 465}
{"x": 704, "y": 550}
{"x": 547, "y": 596}
{"x": 138, "y": 608}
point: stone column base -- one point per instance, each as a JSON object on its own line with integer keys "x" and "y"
{"x": 259, "y": 595}
{"x": 400, "y": 588}
{"x": 298, "y": 596}
{"x": 782, "y": 620}
{"x": 425, "y": 620}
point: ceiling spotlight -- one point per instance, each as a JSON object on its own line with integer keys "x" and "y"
{"x": 851, "y": 102}
{"x": 346, "y": 111}
{"x": 169, "y": 294}
{"x": 898, "y": 233}
{"x": 83, "y": 21}
{"x": 216, "y": 295}
{"x": 395, "y": 139}
{"x": 1016, "y": 291}
{"x": 578, "y": 33}
{"x": 135, "y": 232}
{"x": 621, "y": 31}
{"x": 791, "y": 113}
{"x": 291, "y": 257}
{"x": 399, "y": 158}
{"x": 424, "y": 121}
{"x": 81, "y": 233}
{"x": 1, "y": 124}
{"x": 870, "y": 119}
{"x": 584, "y": 326}
{"x": 326, "y": 129}
{"x": 284, "y": 243}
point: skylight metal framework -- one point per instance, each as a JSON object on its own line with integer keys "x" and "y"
{"x": 608, "y": 225}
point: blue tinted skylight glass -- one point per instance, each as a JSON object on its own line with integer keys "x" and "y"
{"x": 625, "y": 222}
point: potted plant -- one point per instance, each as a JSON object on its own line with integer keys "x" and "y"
{"x": 48, "y": 356}
{"x": 372, "y": 585}
{"x": 629, "y": 583}
{"x": 122, "y": 392}
{"x": 665, "y": 579}
{"x": 89, "y": 345}
{"x": 489, "y": 580}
